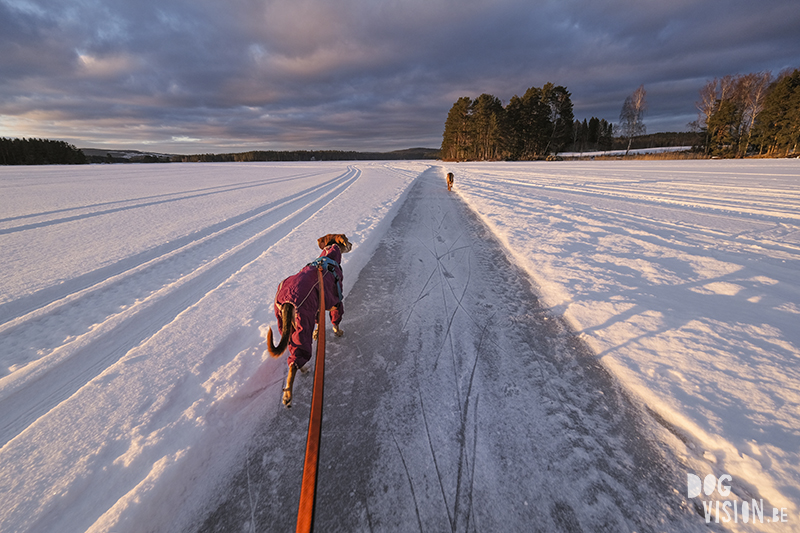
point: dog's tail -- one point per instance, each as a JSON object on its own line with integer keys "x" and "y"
{"x": 287, "y": 327}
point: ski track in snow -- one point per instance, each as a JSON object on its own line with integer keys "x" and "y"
{"x": 130, "y": 301}
{"x": 136, "y": 395}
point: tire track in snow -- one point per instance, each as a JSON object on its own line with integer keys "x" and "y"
{"x": 27, "y": 395}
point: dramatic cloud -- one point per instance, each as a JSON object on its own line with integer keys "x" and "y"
{"x": 192, "y": 76}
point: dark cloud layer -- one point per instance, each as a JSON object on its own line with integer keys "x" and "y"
{"x": 192, "y": 76}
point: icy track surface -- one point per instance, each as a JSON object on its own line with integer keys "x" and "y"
{"x": 136, "y": 395}
{"x": 456, "y": 403}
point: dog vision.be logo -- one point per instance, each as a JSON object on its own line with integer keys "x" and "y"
{"x": 729, "y": 509}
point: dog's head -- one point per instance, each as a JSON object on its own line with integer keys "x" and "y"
{"x": 335, "y": 238}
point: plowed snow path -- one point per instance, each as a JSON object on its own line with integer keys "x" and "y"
{"x": 454, "y": 402}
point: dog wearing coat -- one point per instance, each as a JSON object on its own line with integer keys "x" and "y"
{"x": 297, "y": 306}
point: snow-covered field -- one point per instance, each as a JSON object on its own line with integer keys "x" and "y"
{"x": 637, "y": 151}
{"x": 134, "y": 302}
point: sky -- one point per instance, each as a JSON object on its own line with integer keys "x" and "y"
{"x": 199, "y": 76}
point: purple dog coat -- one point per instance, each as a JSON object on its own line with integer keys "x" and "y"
{"x": 302, "y": 291}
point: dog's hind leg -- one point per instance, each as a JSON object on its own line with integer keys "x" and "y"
{"x": 287, "y": 390}
{"x": 336, "y": 331}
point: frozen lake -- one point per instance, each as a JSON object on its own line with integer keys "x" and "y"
{"x": 602, "y": 304}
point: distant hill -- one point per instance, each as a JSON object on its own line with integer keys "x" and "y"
{"x": 98, "y": 155}
{"x": 657, "y": 140}
{"x": 104, "y": 155}
{"x": 417, "y": 153}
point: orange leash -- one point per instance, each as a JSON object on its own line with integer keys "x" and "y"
{"x": 305, "y": 512}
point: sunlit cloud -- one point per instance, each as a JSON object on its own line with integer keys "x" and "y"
{"x": 108, "y": 66}
{"x": 181, "y": 139}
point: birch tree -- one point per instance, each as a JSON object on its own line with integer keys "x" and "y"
{"x": 631, "y": 118}
{"x": 754, "y": 91}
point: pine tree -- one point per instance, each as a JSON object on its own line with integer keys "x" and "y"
{"x": 535, "y": 124}
{"x": 724, "y": 128}
{"x": 558, "y": 99}
{"x": 527, "y": 125}
{"x": 593, "y": 135}
{"x": 456, "y": 137}
{"x": 486, "y": 120}
{"x": 605, "y": 135}
{"x": 513, "y": 138}
{"x": 777, "y": 127}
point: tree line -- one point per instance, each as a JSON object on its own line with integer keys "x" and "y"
{"x": 596, "y": 134}
{"x": 39, "y": 152}
{"x": 750, "y": 114}
{"x": 533, "y": 126}
{"x": 308, "y": 155}
{"x": 741, "y": 115}
{"x": 44, "y": 152}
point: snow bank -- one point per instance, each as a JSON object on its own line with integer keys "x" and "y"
{"x": 683, "y": 278}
